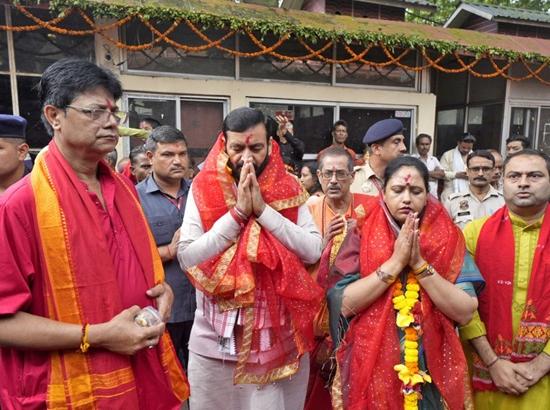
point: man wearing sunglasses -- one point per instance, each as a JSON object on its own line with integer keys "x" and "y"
{"x": 480, "y": 199}
{"x": 78, "y": 262}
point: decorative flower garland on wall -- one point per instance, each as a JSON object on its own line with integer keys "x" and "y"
{"x": 385, "y": 42}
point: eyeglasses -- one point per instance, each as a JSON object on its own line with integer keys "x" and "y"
{"x": 483, "y": 169}
{"x": 340, "y": 175}
{"x": 100, "y": 114}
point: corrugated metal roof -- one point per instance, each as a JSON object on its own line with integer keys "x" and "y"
{"x": 511, "y": 13}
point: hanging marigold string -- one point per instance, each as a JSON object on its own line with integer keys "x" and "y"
{"x": 311, "y": 53}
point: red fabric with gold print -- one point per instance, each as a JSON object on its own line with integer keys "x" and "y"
{"x": 81, "y": 287}
{"x": 257, "y": 264}
{"x": 370, "y": 349}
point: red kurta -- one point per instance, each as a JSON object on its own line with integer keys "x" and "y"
{"x": 24, "y": 374}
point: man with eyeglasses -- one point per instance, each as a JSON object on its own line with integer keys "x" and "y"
{"x": 480, "y": 198}
{"x": 78, "y": 262}
{"x": 508, "y": 339}
{"x": 385, "y": 141}
{"x": 334, "y": 214}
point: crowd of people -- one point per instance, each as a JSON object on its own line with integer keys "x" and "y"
{"x": 262, "y": 281}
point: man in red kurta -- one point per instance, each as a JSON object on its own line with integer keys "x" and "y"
{"x": 77, "y": 262}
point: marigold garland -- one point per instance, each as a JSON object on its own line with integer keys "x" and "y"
{"x": 409, "y": 373}
{"x": 263, "y": 49}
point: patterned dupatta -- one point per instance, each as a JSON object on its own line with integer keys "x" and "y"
{"x": 257, "y": 273}
{"x": 495, "y": 257}
{"x": 81, "y": 286}
{"x": 365, "y": 376}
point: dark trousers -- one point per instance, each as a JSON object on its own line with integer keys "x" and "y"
{"x": 179, "y": 333}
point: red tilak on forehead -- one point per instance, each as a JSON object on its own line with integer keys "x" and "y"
{"x": 408, "y": 179}
{"x": 248, "y": 139}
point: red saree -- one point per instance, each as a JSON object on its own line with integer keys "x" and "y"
{"x": 365, "y": 377}
{"x": 257, "y": 273}
{"x": 495, "y": 257}
{"x": 81, "y": 287}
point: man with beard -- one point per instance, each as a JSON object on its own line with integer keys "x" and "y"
{"x": 163, "y": 195}
{"x": 245, "y": 238}
{"x": 511, "y": 334}
{"x": 385, "y": 141}
{"x": 453, "y": 163}
{"x": 480, "y": 199}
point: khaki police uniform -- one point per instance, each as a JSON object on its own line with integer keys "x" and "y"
{"x": 365, "y": 181}
{"x": 464, "y": 207}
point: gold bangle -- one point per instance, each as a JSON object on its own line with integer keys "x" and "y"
{"x": 421, "y": 269}
{"x": 84, "y": 345}
{"x": 428, "y": 271}
{"x": 384, "y": 276}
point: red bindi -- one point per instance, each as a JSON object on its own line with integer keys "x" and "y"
{"x": 408, "y": 179}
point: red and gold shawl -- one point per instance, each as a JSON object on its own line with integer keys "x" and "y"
{"x": 365, "y": 377}
{"x": 257, "y": 264}
{"x": 81, "y": 286}
{"x": 495, "y": 258}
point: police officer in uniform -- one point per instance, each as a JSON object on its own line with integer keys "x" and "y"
{"x": 385, "y": 141}
{"x": 480, "y": 199}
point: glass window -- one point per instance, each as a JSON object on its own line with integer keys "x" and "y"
{"x": 169, "y": 59}
{"x": 450, "y": 124}
{"x": 5, "y": 102}
{"x": 201, "y": 122}
{"x": 272, "y": 68}
{"x": 312, "y": 123}
{"x": 4, "y": 62}
{"x": 485, "y": 122}
{"x": 29, "y": 108}
{"x": 162, "y": 110}
{"x": 451, "y": 88}
{"x": 544, "y": 130}
{"x": 360, "y": 119}
{"x": 36, "y": 50}
{"x": 359, "y": 73}
{"x": 486, "y": 89}
{"x": 523, "y": 121}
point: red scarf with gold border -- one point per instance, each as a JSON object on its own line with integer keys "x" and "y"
{"x": 257, "y": 264}
{"x": 495, "y": 258}
{"x": 365, "y": 378}
{"x": 81, "y": 286}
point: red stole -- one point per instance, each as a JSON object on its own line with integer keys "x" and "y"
{"x": 495, "y": 257}
{"x": 258, "y": 264}
{"x": 81, "y": 287}
{"x": 371, "y": 348}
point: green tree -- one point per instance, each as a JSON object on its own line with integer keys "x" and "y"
{"x": 446, "y": 7}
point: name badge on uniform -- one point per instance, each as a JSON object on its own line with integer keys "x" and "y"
{"x": 463, "y": 205}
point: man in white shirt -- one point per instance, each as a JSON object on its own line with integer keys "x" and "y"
{"x": 453, "y": 163}
{"x": 423, "y": 144}
{"x": 245, "y": 238}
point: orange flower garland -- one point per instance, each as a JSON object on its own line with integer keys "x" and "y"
{"x": 409, "y": 373}
{"x": 263, "y": 49}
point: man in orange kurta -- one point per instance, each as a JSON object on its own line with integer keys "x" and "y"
{"x": 332, "y": 214}
{"x": 77, "y": 261}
